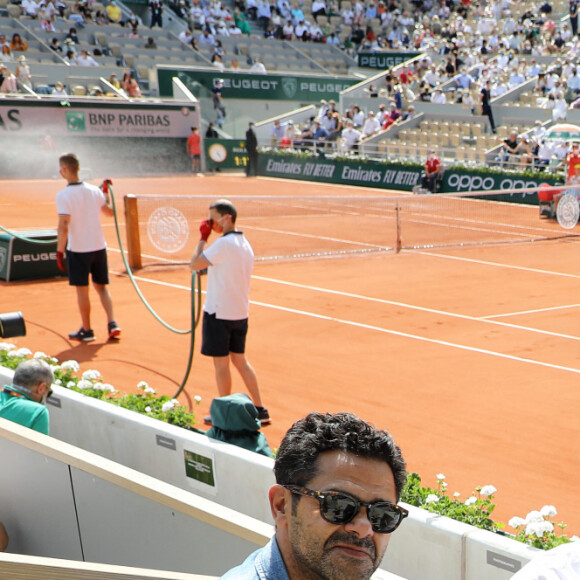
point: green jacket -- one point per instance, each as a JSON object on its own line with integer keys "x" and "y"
{"x": 235, "y": 420}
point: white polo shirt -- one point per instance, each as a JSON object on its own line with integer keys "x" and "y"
{"x": 228, "y": 278}
{"x": 83, "y": 203}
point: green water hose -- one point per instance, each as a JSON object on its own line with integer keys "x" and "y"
{"x": 24, "y": 239}
{"x": 194, "y": 310}
{"x": 195, "y": 305}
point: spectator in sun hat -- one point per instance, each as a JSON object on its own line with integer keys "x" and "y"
{"x": 23, "y": 74}
{"x": 438, "y": 97}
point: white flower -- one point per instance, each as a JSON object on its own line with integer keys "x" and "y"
{"x": 167, "y": 406}
{"x": 70, "y": 384}
{"x": 539, "y": 528}
{"x": 84, "y": 384}
{"x": 23, "y": 352}
{"x": 516, "y": 522}
{"x": 440, "y": 477}
{"x": 534, "y": 516}
{"x": 40, "y": 354}
{"x": 444, "y": 484}
{"x": 109, "y": 388}
{"x": 6, "y": 346}
{"x": 70, "y": 365}
{"x": 91, "y": 375}
{"x": 12, "y": 354}
{"x": 574, "y": 539}
{"x": 98, "y": 386}
{"x": 470, "y": 500}
{"x": 456, "y": 494}
{"x": 488, "y": 490}
{"x": 549, "y": 511}
{"x": 58, "y": 382}
{"x": 142, "y": 385}
{"x": 432, "y": 498}
{"x": 150, "y": 390}
{"x": 197, "y": 399}
{"x": 147, "y": 409}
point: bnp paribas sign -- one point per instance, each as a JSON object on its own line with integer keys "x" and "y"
{"x": 275, "y": 87}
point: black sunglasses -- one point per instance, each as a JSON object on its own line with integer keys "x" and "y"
{"x": 338, "y": 507}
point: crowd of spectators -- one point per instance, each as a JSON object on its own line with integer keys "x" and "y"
{"x": 329, "y": 128}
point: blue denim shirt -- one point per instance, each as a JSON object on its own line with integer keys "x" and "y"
{"x": 264, "y": 564}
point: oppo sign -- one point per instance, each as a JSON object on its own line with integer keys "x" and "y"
{"x": 459, "y": 182}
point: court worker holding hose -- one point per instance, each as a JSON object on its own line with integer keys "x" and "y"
{"x": 79, "y": 206}
{"x": 230, "y": 261}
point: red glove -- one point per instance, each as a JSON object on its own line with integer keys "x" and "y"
{"x": 105, "y": 185}
{"x": 205, "y": 229}
{"x": 60, "y": 262}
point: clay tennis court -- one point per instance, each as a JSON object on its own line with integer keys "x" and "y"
{"x": 469, "y": 355}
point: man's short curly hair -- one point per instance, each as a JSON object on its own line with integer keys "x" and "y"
{"x": 296, "y": 460}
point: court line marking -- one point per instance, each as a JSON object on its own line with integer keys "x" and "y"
{"x": 486, "y": 319}
{"x": 382, "y": 330}
{"x": 497, "y": 264}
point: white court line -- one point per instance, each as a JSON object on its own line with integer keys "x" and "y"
{"x": 484, "y": 319}
{"x": 497, "y": 264}
{"x": 384, "y": 330}
{"x": 535, "y": 311}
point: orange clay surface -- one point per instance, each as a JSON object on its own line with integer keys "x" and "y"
{"x": 469, "y": 356}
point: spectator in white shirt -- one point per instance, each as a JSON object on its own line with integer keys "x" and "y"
{"x": 264, "y": 13}
{"x": 186, "y": 36}
{"x": 258, "y": 66}
{"x": 347, "y": 16}
{"x": 432, "y": 76}
{"x": 350, "y": 137}
{"x": 538, "y": 131}
{"x": 516, "y": 78}
{"x": 222, "y": 29}
{"x": 534, "y": 69}
{"x": 30, "y": 8}
{"x": 371, "y": 126}
{"x": 85, "y": 59}
{"x": 206, "y": 37}
{"x": 560, "y": 110}
{"x": 318, "y": 9}
{"x": 438, "y": 97}
{"x": 288, "y": 30}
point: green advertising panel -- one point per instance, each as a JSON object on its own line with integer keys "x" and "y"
{"x": 384, "y": 60}
{"x": 266, "y": 87}
{"x": 367, "y": 173}
{"x": 464, "y": 181}
{"x": 199, "y": 467}
{"x": 351, "y": 172}
{"x": 22, "y": 259}
{"x": 225, "y": 154}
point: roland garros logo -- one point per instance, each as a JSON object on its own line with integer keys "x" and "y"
{"x": 167, "y": 229}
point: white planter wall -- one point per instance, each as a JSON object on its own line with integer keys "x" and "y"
{"x": 426, "y": 546}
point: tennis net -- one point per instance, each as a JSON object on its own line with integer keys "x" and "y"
{"x": 164, "y": 228}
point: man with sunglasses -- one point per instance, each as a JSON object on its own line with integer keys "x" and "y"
{"x": 338, "y": 480}
{"x": 24, "y": 400}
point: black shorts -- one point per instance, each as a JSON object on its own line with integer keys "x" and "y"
{"x": 81, "y": 264}
{"x": 220, "y": 337}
